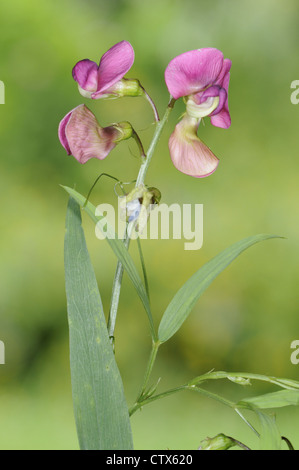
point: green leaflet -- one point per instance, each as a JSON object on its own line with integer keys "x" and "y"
{"x": 119, "y": 250}
{"x": 101, "y": 411}
{"x": 185, "y": 299}
{"x": 244, "y": 378}
{"x": 272, "y": 400}
{"x": 270, "y": 438}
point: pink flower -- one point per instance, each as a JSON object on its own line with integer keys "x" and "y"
{"x": 202, "y": 76}
{"x": 188, "y": 153}
{"x": 99, "y": 81}
{"x": 82, "y": 136}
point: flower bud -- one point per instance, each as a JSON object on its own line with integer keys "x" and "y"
{"x": 239, "y": 380}
{"x": 219, "y": 442}
{"x": 125, "y": 129}
{"x": 136, "y": 205}
{"x": 124, "y": 87}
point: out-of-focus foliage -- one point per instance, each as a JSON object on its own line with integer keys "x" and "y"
{"x": 249, "y": 316}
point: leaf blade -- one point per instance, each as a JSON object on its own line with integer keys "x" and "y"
{"x": 187, "y": 296}
{"x": 119, "y": 250}
{"x": 101, "y": 412}
{"x": 218, "y": 375}
{"x": 270, "y": 438}
{"x": 278, "y": 399}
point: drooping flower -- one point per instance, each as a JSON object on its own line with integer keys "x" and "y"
{"x": 107, "y": 79}
{"x": 81, "y": 135}
{"x": 202, "y": 78}
{"x": 188, "y": 153}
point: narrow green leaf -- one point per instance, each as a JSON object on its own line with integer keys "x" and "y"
{"x": 145, "y": 278}
{"x": 243, "y": 377}
{"x": 185, "y": 299}
{"x": 119, "y": 250}
{"x": 272, "y": 400}
{"x": 100, "y": 407}
{"x": 270, "y": 438}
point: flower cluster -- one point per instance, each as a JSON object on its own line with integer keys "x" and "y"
{"x": 200, "y": 77}
{"x": 79, "y": 131}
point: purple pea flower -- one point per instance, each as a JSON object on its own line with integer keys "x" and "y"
{"x": 201, "y": 77}
{"x": 188, "y": 153}
{"x": 107, "y": 79}
{"x": 83, "y": 137}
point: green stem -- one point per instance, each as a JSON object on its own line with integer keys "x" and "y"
{"x": 100, "y": 176}
{"x": 141, "y": 403}
{"x": 191, "y": 388}
{"x": 239, "y": 444}
{"x": 159, "y": 127}
{"x": 140, "y": 180}
{"x": 145, "y": 278}
{"x": 116, "y": 293}
{"x": 147, "y": 96}
{"x": 208, "y": 394}
{"x": 150, "y": 365}
{"x": 139, "y": 143}
{"x": 289, "y": 444}
{"x": 218, "y": 375}
{"x": 246, "y": 421}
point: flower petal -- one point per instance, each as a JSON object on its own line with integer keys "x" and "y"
{"x": 221, "y": 90}
{"x": 222, "y": 100}
{"x": 192, "y": 71}
{"x": 210, "y": 92}
{"x": 205, "y": 97}
{"x": 61, "y": 132}
{"x": 86, "y": 138}
{"x": 188, "y": 153}
{"x": 222, "y": 118}
{"x": 224, "y": 73}
{"x": 85, "y": 73}
{"x": 206, "y": 108}
{"x": 114, "y": 64}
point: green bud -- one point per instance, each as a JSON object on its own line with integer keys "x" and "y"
{"x": 155, "y": 195}
{"x": 239, "y": 380}
{"x": 125, "y": 129}
{"x": 127, "y": 87}
{"x": 219, "y": 442}
{"x": 138, "y": 203}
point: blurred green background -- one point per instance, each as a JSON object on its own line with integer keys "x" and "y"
{"x": 249, "y": 316}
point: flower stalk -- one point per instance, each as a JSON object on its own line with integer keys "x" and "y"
{"x": 143, "y": 394}
{"x": 116, "y": 288}
{"x": 151, "y": 102}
